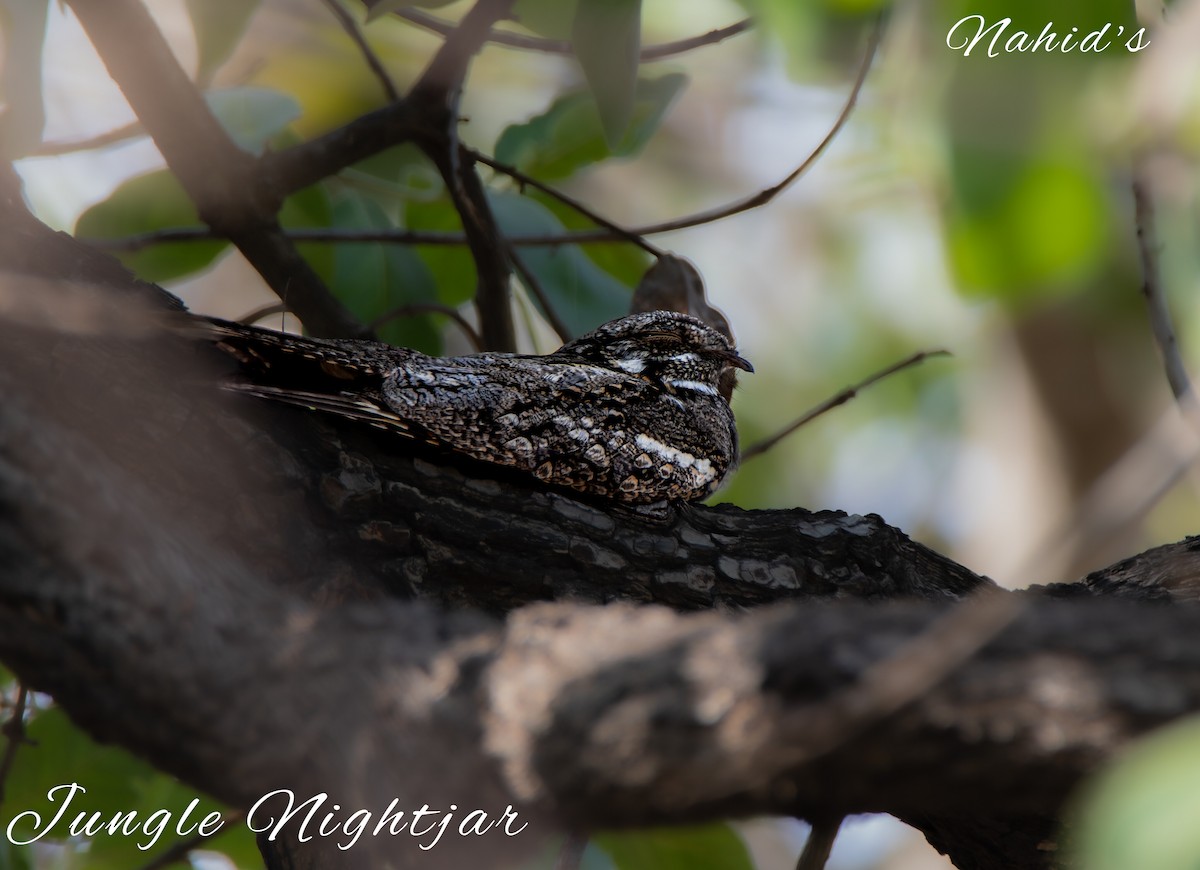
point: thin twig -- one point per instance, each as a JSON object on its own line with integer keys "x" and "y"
{"x": 416, "y": 308}
{"x": 294, "y": 167}
{"x": 529, "y": 181}
{"x": 178, "y": 852}
{"x": 561, "y": 46}
{"x": 346, "y": 20}
{"x": 821, "y": 836}
{"x": 1156, "y": 301}
{"x": 436, "y": 96}
{"x": 570, "y": 854}
{"x": 266, "y": 311}
{"x": 102, "y": 140}
{"x": 14, "y": 730}
{"x": 839, "y": 399}
{"x": 765, "y": 196}
{"x": 535, "y": 287}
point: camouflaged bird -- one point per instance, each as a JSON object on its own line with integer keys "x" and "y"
{"x": 630, "y": 411}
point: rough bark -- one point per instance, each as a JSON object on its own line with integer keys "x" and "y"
{"x": 254, "y": 598}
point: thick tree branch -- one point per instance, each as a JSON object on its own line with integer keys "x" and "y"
{"x": 220, "y": 178}
{"x": 204, "y": 581}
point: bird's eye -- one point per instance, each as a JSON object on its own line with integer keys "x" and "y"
{"x": 660, "y": 338}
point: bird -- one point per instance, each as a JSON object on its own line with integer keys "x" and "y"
{"x": 631, "y": 411}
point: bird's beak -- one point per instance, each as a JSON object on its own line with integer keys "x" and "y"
{"x": 737, "y": 362}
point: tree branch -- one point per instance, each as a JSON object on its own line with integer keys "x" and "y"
{"x": 233, "y": 614}
{"x": 220, "y": 179}
{"x": 1156, "y": 301}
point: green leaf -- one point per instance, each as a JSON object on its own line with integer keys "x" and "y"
{"x": 607, "y": 37}
{"x": 549, "y": 18}
{"x": 1044, "y": 231}
{"x": 218, "y": 25}
{"x": 115, "y": 783}
{"x": 1142, "y": 811}
{"x": 311, "y": 208}
{"x": 144, "y": 204}
{"x": 23, "y": 28}
{"x": 374, "y": 279}
{"x": 711, "y": 847}
{"x": 582, "y": 294}
{"x": 568, "y": 135}
{"x": 252, "y": 115}
{"x": 625, "y": 262}
{"x": 451, "y": 266}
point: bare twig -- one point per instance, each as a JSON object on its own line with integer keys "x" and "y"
{"x": 346, "y": 20}
{"x": 178, "y": 852}
{"x": 819, "y": 844}
{"x": 529, "y": 181}
{"x": 535, "y": 287}
{"x": 765, "y": 196}
{"x": 111, "y": 137}
{"x": 415, "y": 308}
{"x": 14, "y": 730}
{"x": 561, "y": 46}
{"x": 436, "y": 97}
{"x": 1156, "y": 301}
{"x": 570, "y": 854}
{"x": 265, "y": 311}
{"x": 222, "y": 181}
{"x": 839, "y": 399}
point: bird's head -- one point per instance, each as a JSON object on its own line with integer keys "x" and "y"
{"x": 677, "y": 351}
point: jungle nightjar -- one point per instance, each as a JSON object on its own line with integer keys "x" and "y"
{"x": 630, "y": 411}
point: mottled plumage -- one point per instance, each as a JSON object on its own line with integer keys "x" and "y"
{"x": 630, "y": 411}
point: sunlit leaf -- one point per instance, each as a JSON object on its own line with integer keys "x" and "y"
{"x": 1141, "y": 812}
{"x": 712, "y": 847}
{"x": 1046, "y": 231}
{"x": 607, "y": 36}
{"x": 218, "y": 25}
{"x": 568, "y": 135}
{"x": 143, "y": 204}
{"x": 582, "y": 294}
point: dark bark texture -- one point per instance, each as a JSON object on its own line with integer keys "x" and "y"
{"x": 256, "y": 598}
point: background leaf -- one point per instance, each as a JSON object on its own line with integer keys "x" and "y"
{"x": 115, "y": 782}
{"x": 582, "y": 293}
{"x": 568, "y": 135}
{"x": 1142, "y": 811}
{"x": 373, "y": 279}
{"x": 253, "y": 115}
{"x": 144, "y": 204}
{"x": 607, "y": 37}
{"x": 218, "y": 26}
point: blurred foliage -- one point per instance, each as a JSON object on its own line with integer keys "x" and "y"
{"x": 1142, "y": 811}
{"x": 114, "y": 783}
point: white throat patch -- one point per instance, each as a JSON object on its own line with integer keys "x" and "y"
{"x": 694, "y": 386}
